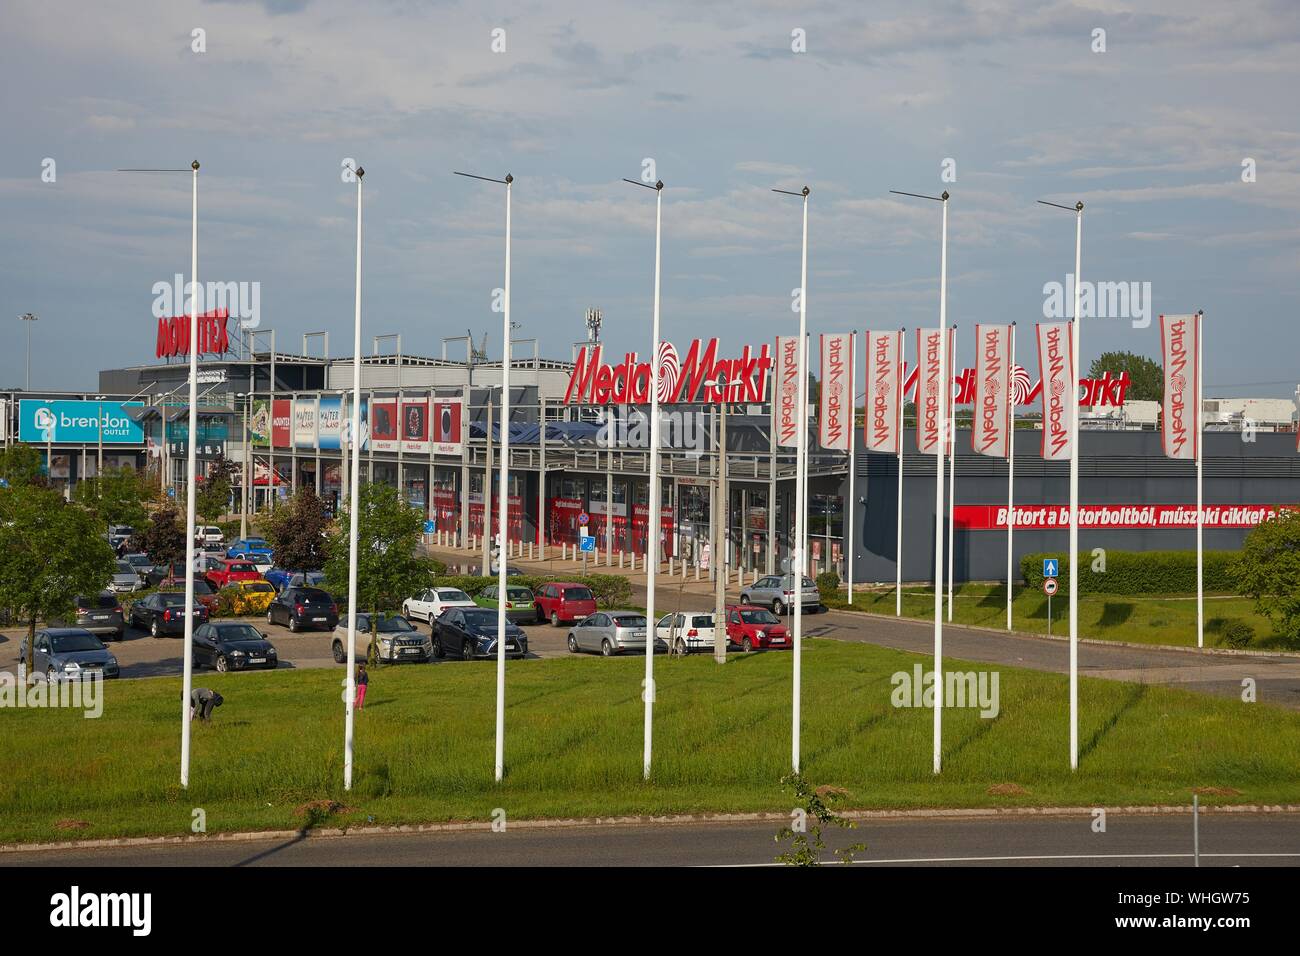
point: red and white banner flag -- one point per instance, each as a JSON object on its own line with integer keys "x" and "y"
{"x": 835, "y": 407}
{"x": 928, "y": 426}
{"x": 1056, "y": 367}
{"x": 1180, "y": 415}
{"x": 785, "y": 391}
{"x": 882, "y": 429}
{"x": 990, "y": 433}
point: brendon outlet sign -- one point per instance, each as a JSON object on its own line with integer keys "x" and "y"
{"x": 681, "y": 380}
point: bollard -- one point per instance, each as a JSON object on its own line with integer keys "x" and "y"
{"x": 670, "y": 565}
{"x": 620, "y": 560}
{"x": 564, "y": 551}
{"x": 697, "y": 570}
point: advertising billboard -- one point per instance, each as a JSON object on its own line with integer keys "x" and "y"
{"x": 77, "y": 421}
{"x": 383, "y": 425}
{"x": 415, "y": 426}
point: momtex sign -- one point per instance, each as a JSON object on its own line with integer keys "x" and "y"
{"x": 77, "y": 421}
{"x": 594, "y": 382}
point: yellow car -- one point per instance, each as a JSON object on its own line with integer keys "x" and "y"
{"x": 250, "y": 597}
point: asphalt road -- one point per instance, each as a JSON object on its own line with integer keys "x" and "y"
{"x": 1226, "y": 839}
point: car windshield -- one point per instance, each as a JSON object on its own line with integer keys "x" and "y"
{"x": 481, "y": 617}
{"x": 577, "y": 594}
{"x": 519, "y": 594}
{"x": 313, "y": 596}
{"x": 451, "y": 594}
{"x": 139, "y": 560}
{"x": 125, "y": 567}
{"x": 243, "y": 567}
{"x": 629, "y": 620}
{"x": 238, "y": 632}
{"x": 256, "y": 543}
{"x": 702, "y": 620}
{"x": 259, "y": 587}
{"x": 202, "y": 587}
{"x": 173, "y": 600}
{"x": 394, "y": 624}
{"x": 759, "y": 617}
{"x": 65, "y": 643}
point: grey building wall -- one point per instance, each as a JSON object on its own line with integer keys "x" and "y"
{"x": 1115, "y": 468}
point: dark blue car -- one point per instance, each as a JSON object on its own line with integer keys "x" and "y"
{"x": 69, "y": 653}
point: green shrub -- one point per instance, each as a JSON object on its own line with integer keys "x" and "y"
{"x": 1238, "y": 633}
{"x": 1138, "y": 572}
{"x": 828, "y": 585}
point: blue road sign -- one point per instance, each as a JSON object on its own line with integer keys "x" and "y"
{"x": 171, "y": 492}
{"x": 1050, "y": 567}
{"x": 430, "y": 527}
{"x": 587, "y": 543}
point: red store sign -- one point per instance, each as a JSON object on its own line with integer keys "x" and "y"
{"x": 1030, "y": 517}
{"x": 174, "y": 334}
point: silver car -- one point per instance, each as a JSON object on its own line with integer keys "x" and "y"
{"x": 611, "y": 632}
{"x": 777, "y": 592}
{"x": 125, "y": 579}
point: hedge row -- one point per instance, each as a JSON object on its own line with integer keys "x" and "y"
{"x": 610, "y": 590}
{"x": 1137, "y": 572}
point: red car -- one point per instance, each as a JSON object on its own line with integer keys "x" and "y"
{"x": 232, "y": 570}
{"x": 563, "y": 602}
{"x": 751, "y": 626}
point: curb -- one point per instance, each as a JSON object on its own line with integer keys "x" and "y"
{"x": 572, "y": 823}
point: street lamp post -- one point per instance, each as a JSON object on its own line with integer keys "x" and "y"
{"x": 353, "y": 509}
{"x": 28, "y": 318}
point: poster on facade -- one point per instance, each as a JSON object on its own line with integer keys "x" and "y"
{"x": 281, "y": 423}
{"x": 1180, "y": 419}
{"x": 384, "y": 425}
{"x": 304, "y": 424}
{"x": 329, "y": 422}
{"x": 259, "y": 424}
{"x": 415, "y": 426}
{"x": 446, "y": 423}
{"x": 785, "y": 391}
{"x": 836, "y": 404}
{"x": 1056, "y": 367}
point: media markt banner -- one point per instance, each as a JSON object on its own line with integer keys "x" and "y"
{"x": 77, "y": 421}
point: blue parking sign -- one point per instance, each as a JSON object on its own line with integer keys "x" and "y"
{"x": 430, "y": 527}
{"x": 1050, "y": 567}
{"x": 587, "y": 543}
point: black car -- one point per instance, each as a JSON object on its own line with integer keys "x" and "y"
{"x": 470, "y": 632}
{"x": 101, "y": 615}
{"x": 303, "y": 609}
{"x": 399, "y": 640}
{"x": 229, "y": 646}
{"x": 164, "y": 613}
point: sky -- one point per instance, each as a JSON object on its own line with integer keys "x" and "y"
{"x": 1176, "y": 126}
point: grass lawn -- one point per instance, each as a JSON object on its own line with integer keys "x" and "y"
{"x": 573, "y": 748}
{"x": 1143, "y": 619}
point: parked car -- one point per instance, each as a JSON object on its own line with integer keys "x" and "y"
{"x": 155, "y": 576}
{"x": 281, "y": 579}
{"x": 140, "y": 561}
{"x": 163, "y": 612}
{"x": 249, "y": 597}
{"x": 231, "y": 570}
{"x": 209, "y": 534}
{"x": 519, "y": 602}
{"x": 101, "y": 614}
{"x": 303, "y": 609}
{"x": 612, "y": 632}
{"x": 777, "y": 592}
{"x": 69, "y": 653}
{"x": 563, "y": 602}
{"x": 204, "y": 593}
{"x": 250, "y": 549}
{"x": 231, "y": 646}
{"x": 686, "y": 631}
{"x": 470, "y": 632}
{"x": 125, "y": 578}
{"x": 119, "y": 536}
{"x": 750, "y": 626}
{"x": 398, "y": 639}
{"x": 428, "y": 605}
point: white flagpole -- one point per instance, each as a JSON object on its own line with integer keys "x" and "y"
{"x": 952, "y": 478}
{"x": 801, "y": 476}
{"x": 1011, "y": 464}
{"x": 898, "y": 547}
{"x": 945, "y": 395}
{"x": 188, "y": 658}
{"x": 502, "y": 509}
{"x": 850, "y": 521}
{"x": 354, "y": 507}
{"x": 1074, "y": 496}
{"x": 1200, "y": 504}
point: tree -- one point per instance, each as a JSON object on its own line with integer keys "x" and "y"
{"x": 117, "y": 497}
{"x": 22, "y": 465}
{"x": 1146, "y": 377}
{"x": 388, "y": 568}
{"x": 50, "y": 552}
{"x": 213, "y": 495}
{"x": 1268, "y": 570}
{"x": 298, "y": 532}
{"x": 163, "y": 538}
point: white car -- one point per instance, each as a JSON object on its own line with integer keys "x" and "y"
{"x": 209, "y": 534}
{"x": 686, "y": 631}
{"x": 427, "y": 605}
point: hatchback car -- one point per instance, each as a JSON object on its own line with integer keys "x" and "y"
{"x": 750, "y": 626}
{"x": 125, "y": 578}
{"x": 562, "y": 602}
{"x": 101, "y": 615}
{"x": 231, "y": 570}
{"x": 399, "y": 641}
{"x": 140, "y": 561}
{"x": 519, "y": 602}
{"x": 777, "y": 592}
{"x": 249, "y": 597}
{"x": 612, "y": 632}
{"x": 428, "y": 605}
{"x": 686, "y": 631}
{"x": 69, "y": 653}
{"x": 230, "y": 646}
{"x": 164, "y": 613}
{"x": 471, "y": 632}
{"x": 303, "y": 609}
{"x": 250, "y": 549}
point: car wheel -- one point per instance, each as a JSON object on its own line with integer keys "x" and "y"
{"x": 293, "y": 625}
{"x": 121, "y": 635}
{"x": 222, "y": 666}
{"x": 340, "y": 655}
{"x": 269, "y": 620}
{"x": 154, "y": 630}
{"x": 466, "y": 651}
{"x": 746, "y": 645}
{"x": 573, "y": 644}
{"x": 777, "y": 607}
{"x": 681, "y": 647}
{"x": 744, "y": 599}
{"x": 51, "y": 675}
{"x": 438, "y": 651}
{"x": 555, "y": 619}
{"x": 607, "y": 648}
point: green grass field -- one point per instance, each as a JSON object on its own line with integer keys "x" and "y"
{"x": 722, "y": 742}
{"x": 1155, "y": 619}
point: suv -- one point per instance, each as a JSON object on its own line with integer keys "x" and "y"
{"x": 101, "y": 615}
{"x": 777, "y": 592}
{"x": 563, "y": 602}
{"x": 209, "y": 534}
{"x": 302, "y": 608}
